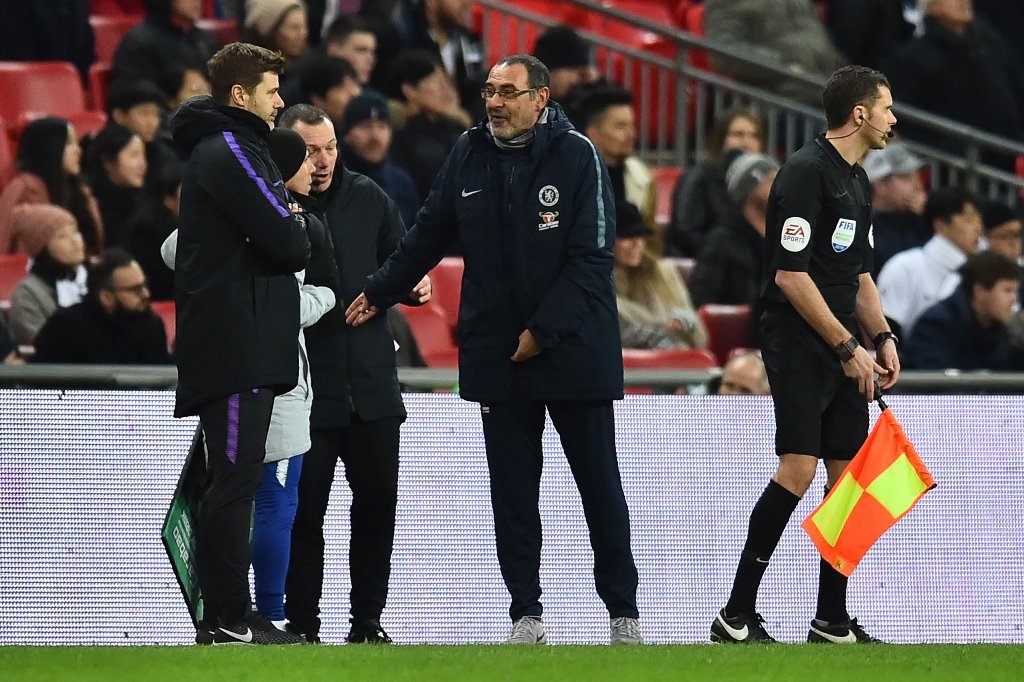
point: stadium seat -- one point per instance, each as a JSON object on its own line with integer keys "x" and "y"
{"x": 433, "y": 335}
{"x": 507, "y": 35}
{"x": 224, "y": 30}
{"x": 446, "y": 282}
{"x": 630, "y": 73}
{"x": 6, "y": 155}
{"x": 109, "y": 30}
{"x": 669, "y": 358}
{"x": 665, "y": 179}
{"x": 165, "y": 310}
{"x": 694, "y": 23}
{"x": 33, "y": 89}
{"x": 12, "y": 269}
{"x": 99, "y": 83}
{"x": 728, "y": 326}
{"x": 684, "y": 266}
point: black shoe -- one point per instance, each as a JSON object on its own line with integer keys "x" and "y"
{"x": 367, "y": 632}
{"x": 843, "y": 632}
{"x": 204, "y": 636}
{"x": 741, "y": 629}
{"x": 309, "y": 636}
{"x": 254, "y": 629}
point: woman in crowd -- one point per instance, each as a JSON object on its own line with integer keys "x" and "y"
{"x": 50, "y": 236}
{"x": 655, "y": 310}
{"x": 49, "y": 166}
{"x": 279, "y": 25}
{"x": 700, "y": 201}
{"x": 117, "y": 173}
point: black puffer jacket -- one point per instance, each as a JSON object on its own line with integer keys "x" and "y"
{"x": 238, "y": 249}
{"x": 353, "y": 368}
{"x": 157, "y": 50}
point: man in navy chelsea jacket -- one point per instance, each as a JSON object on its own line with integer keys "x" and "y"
{"x": 237, "y": 299}
{"x": 529, "y": 199}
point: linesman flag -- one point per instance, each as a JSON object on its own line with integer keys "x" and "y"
{"x": 879, "y": 487}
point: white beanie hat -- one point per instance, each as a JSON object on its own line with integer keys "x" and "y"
{"x": 262, "y": 16}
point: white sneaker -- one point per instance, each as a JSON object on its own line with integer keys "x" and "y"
{"x": 527, "y": 630}
{"x": 626, "y": 631}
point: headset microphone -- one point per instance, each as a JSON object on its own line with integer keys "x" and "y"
{"x": 889, "y": 134}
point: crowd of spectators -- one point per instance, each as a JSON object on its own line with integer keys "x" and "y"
{"x": 400, "y": 80}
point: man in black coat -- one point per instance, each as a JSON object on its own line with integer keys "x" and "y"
{"x": 530, "y": 200}
{"x": 357, "y": 402}
{"x": 962, "y": 69}
{"x": 237, "y": 298}
{"x": 114, "y": 325}
{"x": 166, "y": 42}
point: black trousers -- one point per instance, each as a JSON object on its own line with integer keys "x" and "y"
{"x": 235, "y": 433}
{"x": 369, "y": 451}
{"x": 512, "y": 434}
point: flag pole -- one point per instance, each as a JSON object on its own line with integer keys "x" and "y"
{"x": 878, "y": 392}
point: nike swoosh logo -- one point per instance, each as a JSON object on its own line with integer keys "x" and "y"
{"x": 246, "y": 638}
{"x": 469, "y": 194}
{"x": 740, "y": 633}
{"x": 848, "y": 638}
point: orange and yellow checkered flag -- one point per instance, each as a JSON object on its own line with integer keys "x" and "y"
{"x": 879, "y": 487}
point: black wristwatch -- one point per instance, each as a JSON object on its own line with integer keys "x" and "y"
{"x": 881, "y": 337}
{"x": 846, "y": 349}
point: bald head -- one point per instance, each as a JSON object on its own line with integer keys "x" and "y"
{"x": 744, "y": 375}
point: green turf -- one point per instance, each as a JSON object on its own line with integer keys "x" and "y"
{"x": 796, "y": 663}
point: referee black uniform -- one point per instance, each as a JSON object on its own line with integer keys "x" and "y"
{"x": 817, "y": 292}
{"x": 819, "y": 222}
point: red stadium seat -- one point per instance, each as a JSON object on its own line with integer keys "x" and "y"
{"x": 224, "y": 30}
{"x": 99, "y": 83}
{"x": 109, "y": 30}
{"x": 446, "y": 282}
{"x": 433, "y": 335}
{"x": 694, "y": 23}
{"x": 685, "y": 267}
{"x": 166, "y": 311}
{"x": 6, "y": 155}
{"x": 510, "y": 35}
{"x": 670, "y": 358}
{"x": 631, "y": 73}
{"x": 729, "y": 326}
{"x": 665, "y": 179}
{"x": 33, "y": 89}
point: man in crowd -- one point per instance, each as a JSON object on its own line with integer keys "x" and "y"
{"x": 114, "y": 325}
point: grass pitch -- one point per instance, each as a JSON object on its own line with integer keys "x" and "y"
{"x": 790, "y": 663}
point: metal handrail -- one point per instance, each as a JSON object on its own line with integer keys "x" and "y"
{"x": 164, "y": 377}
{"x": 677, "y": 151}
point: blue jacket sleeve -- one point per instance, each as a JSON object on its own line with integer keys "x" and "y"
{"x": 424, "y": 244}
{"x": 587, "y": 274}
{"x": 935, "y": 341}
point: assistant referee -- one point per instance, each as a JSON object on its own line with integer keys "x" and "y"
{"x": 817, "y": 288}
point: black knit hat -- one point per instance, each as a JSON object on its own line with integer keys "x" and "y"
{"x": 560, "y": 47}
{"x": 629, "y": 222}
{"x": 368, "y": 106}
{"x": 288, "y": 150}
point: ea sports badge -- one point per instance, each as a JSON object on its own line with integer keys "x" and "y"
{"x": 796, "y": 234}
{"x": 842, "y": 236}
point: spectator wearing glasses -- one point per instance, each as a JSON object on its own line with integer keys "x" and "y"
{"x": 114, "y": 325}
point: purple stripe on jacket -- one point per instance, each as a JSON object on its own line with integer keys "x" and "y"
{"x": 251, "y": 172}
{"x": 232, "y": 445}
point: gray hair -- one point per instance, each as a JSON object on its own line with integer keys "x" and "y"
{"x": 537, "y": 75}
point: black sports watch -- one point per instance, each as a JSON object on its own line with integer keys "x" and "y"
{"x": 882, "y": 337}
{"x": 846, "y": 349}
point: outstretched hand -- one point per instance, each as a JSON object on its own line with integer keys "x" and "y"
{"x": 360, "y": 311}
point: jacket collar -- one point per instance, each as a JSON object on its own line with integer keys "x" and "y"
{"x": 944, "y": 253}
